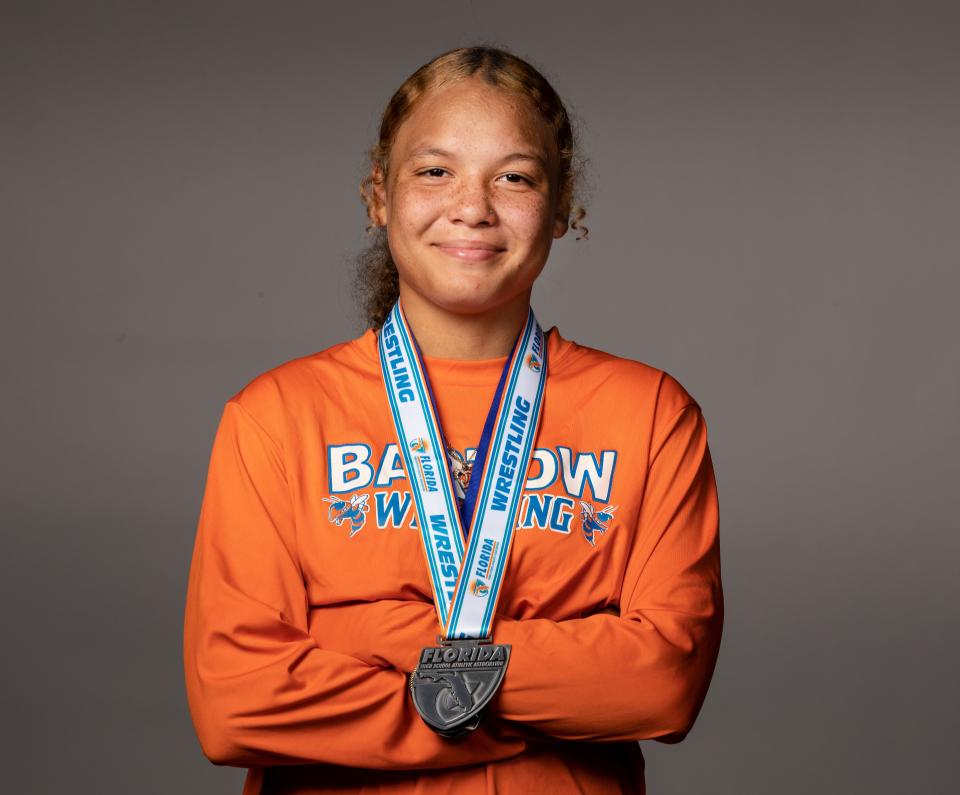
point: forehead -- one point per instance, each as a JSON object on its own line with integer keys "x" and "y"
{"x": 470, "y": 116}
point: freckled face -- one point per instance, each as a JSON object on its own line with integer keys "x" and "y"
{"x": 471, "y": 198}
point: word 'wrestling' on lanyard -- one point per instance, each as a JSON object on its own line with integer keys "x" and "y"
{"x": 453, "y": 682}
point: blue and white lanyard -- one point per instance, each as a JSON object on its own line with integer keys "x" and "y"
{"x": 466, "y": 587}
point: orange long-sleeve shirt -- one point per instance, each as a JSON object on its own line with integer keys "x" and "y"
{"x": 309, "y": 597}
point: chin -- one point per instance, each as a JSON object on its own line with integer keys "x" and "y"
{"x": 463, "y": 299}
{"x": 470, "y": 304}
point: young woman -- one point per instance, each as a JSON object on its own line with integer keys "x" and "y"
{"x": 367, "y": 614}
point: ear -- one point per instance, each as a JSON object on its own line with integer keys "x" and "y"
{"x": 378, "y": 209}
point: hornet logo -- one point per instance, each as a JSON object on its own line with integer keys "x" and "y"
{"x": 460, "y": 467}
{"x": 594, "y": 521}
{"x": 354, "y": 511}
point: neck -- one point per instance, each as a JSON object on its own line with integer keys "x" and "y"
{"x": 449, "y": 335}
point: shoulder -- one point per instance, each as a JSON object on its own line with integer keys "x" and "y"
{"x": 277, "y": 398}
{"x": 625, "y": 380}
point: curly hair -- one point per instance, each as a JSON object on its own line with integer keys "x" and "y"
{"x": 376, "y": 281}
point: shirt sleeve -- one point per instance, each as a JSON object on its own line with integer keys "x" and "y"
{"x": 643, "y": 674}
{"x": 260, "y": 689}
{"x": 640, "y": 675}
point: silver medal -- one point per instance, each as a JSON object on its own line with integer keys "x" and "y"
{"x": 453, "y": 682}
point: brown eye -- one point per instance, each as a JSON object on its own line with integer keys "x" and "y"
{"x": 434, "y": 172}
{"x": 520, "y": 179}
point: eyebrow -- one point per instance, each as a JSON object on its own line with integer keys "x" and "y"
{"x": 434, "y": 151}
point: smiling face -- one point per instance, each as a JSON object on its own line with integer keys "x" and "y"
{"x": 471, "y": 199}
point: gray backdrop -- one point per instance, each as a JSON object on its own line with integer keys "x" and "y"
{"x": 774, "y": 220}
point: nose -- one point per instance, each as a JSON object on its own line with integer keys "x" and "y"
{"x": 471, "y": 203}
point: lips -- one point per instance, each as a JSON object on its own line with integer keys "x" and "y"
{"x": 470, "y": 250}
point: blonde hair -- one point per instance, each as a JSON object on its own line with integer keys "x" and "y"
{"x": 376, "y": 282}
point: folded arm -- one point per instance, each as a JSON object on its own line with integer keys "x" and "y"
{"x": 261, "y": 690}
{"x": 640, "y": 675}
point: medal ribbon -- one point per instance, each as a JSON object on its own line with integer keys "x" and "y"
{"x": 466, "y": 582}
